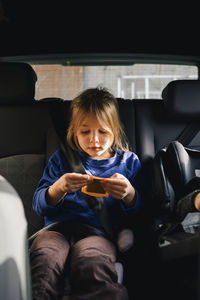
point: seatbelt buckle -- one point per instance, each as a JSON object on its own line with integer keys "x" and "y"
{"x": 95, "y": 188}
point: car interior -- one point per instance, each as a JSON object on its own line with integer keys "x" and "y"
{"x": 165, "y": 256}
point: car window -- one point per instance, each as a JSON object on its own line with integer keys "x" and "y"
{"x": 138, "y": 81}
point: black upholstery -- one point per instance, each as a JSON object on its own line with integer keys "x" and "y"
{"x": 127, "y": 117}
{"x": 163, "y": 194}
{"x": 182, "y": 98}
{"x": 173, "y": 164}
{"x": 17, "y": 83}
{"x": 158, "y": 122}
{"x": 184, "y": 164}
{"x": 176, "y": 172}
{"x": 27, "y": 135}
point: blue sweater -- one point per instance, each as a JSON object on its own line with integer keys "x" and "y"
{"x": 73, "y": 206}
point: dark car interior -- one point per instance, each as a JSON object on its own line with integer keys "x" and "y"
{"x": 165, "y": 260}
{"x": 150, "y": 126}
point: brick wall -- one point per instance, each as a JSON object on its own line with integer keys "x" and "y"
{"x": 58, "y": 81}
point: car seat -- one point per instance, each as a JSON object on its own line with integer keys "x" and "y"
{"x": 14, "y": 261}
{"x": 176, "y": 175}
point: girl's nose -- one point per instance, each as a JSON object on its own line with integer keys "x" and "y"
{"x": 94, "y": 137}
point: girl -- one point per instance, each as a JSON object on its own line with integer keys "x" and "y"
{"x": 95, "y": 132}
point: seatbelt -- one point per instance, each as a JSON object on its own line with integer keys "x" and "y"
{"x": 97, "y": 204}
{"x": 188, "y": 133}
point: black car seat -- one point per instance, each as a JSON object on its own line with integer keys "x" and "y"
{"x": 173, "y": 164}
{"x": 27, "y": 135}
{"x": 14, "y": 261}
{"x": 160, "y": 121}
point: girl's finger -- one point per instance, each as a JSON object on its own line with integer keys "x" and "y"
{"x": 115, "y": 185}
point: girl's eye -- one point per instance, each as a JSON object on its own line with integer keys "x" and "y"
{"x": 85, "y": 132}
{"x": 102, "y": 131}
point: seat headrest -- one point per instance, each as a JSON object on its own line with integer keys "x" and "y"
{"x": 182, "y": 98}
{"x": 17, "y": 83}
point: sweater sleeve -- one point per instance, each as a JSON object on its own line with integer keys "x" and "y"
{"x": 134, "y": 176}
{"x": 52, "y": 173}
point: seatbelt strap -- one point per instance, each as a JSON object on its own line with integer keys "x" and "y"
{"x": 188, "y": 133}
{"x": 97, "y": 204}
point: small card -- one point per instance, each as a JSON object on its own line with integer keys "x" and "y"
{"x": 95, "y": 188}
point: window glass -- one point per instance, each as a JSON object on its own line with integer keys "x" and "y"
{"x": 139, "y": 81}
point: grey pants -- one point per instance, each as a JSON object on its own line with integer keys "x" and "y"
{"x": 91, "y": 268}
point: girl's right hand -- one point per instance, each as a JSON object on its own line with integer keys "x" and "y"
{"x": 67, "y": 183}
{"x": 72, "y": 182}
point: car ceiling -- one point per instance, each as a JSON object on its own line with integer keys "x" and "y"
{"x": 56, "y": 30}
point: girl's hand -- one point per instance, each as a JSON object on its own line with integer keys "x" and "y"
{"x": 72, "y": 182}
{"x": 119, "y": 187}
{"x": 67, "y": 183}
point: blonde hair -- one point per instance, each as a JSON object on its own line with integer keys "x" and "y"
{"x": 102, "y": 104}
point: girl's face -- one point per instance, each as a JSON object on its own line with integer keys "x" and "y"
{"x": 94, "y": 138}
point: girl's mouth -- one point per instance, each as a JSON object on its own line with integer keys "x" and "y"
{"x": 94, "y": 148}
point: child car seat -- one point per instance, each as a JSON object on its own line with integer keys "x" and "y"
{"x": 176, "y": 176}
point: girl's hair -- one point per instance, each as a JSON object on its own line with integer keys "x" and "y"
{"x": 102, "y": 104}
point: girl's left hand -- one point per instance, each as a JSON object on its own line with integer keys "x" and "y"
{"x": 119, "y": 187}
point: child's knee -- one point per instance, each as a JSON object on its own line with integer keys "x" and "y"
{"x": 50, "y": 248}
{"x": 51, "y": 239}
